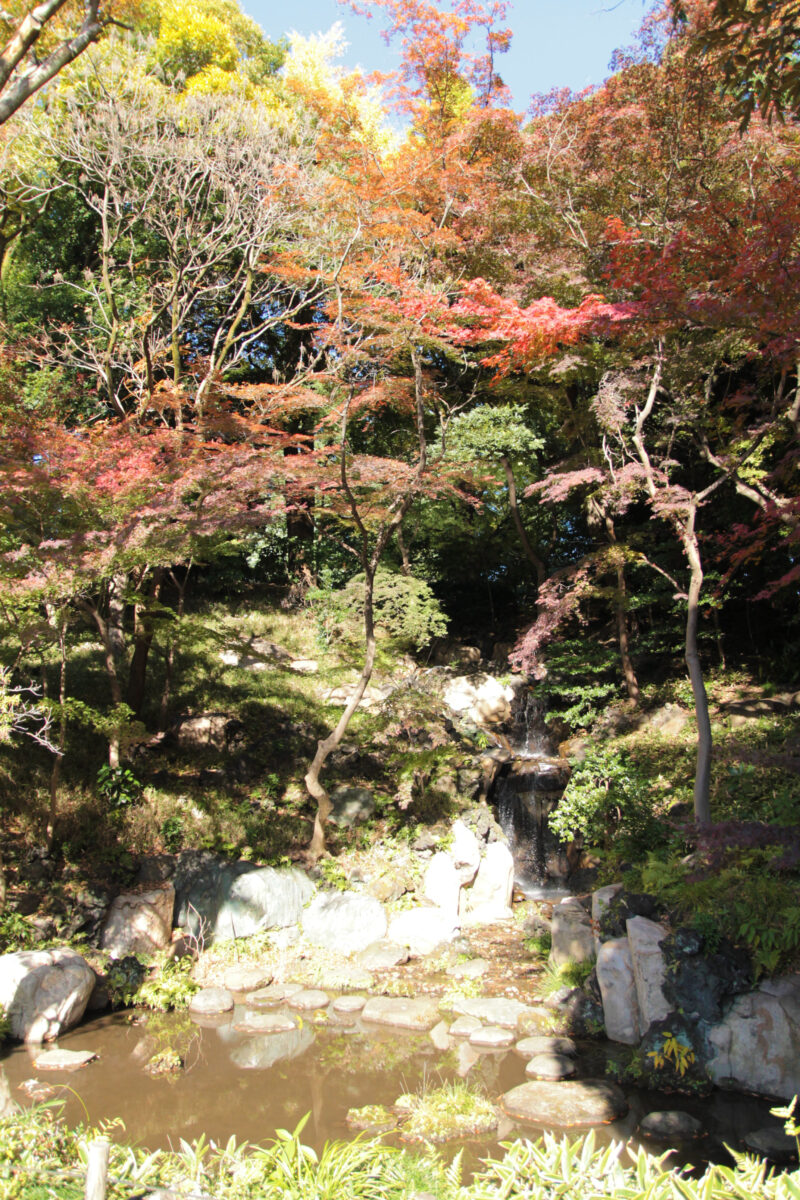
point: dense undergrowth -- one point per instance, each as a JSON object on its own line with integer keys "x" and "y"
{"x": 41, "y": 1158}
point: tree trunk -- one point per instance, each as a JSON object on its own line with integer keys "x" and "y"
{"x": 403, "y": 548}
{"x": 170, "y": 661}
{"x": 702, "y": 781}
{"x": 621, "y": 605}
{"x": 57, "y": 621}
{"x": 111, "y": 660}
{"x": 326, "y": 747}
{"x": 533, "y": 557}
{"x": 143, "y": 632}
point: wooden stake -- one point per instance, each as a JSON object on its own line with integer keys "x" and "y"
{"x": 97, "y": 1170}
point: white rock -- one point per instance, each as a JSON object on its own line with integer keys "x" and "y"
{"x": 423, "y": 929}
{"x": 649, "y": 969}
{"x": 489, "y": 898}
{"x": 480, "y": 697}
{"x": 304, "y": 666}
{"x": 618, "y": 990}
{"x": 139, "y": 923}
{"x": 571, "y": 931}
{"x": 465, "y": 852}
{"x": 44, "y": 992}
{"x": 756, "y": 1048}
{"x": 600, "y": 902}
{"x": 442, "y": 884}
{"x": 345, "y": 922}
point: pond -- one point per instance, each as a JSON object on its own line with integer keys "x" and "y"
{"x": 249, "y": 1085}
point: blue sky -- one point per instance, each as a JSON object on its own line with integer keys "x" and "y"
{"x": 557, "y": 43}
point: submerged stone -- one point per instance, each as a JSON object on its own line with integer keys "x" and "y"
{"x": 671, "y": 1126}
{"x": 529, "y": 1047}
{"x": 550, "y": 1066}
{"x": 773, "y": 1144}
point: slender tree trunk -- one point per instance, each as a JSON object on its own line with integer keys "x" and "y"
{"x": 111, "y": 662}
{"x": 57, "y": 620}
{"x": 170, "y": 660}
{"x": 621, "y": 611}
{"x": 143, "y": 633}
{"x": 702, "y": 782}
{"x": 533, "y": 557}
{"x": 403, "y": 548}
{"x": 326, "y": 747}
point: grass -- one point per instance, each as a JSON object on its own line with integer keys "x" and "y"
{"x": 42, "y": 1158}
{"x": 453, "y": 1110}
{"x": 570, "y": 974}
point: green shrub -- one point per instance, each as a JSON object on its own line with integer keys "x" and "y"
{"x": 403, "y": 606}
{"x": 16, "y": 933}
{"x": 610, "y": 802}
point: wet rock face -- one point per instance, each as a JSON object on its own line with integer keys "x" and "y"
{"x": 698, "y": 982}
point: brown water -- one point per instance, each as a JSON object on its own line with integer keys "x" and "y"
{"x": 250, "y": 1085}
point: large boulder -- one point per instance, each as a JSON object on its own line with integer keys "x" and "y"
{"x": 465, "y": 852}
{"x": 44, "y": 992}
{"x": 351, "y": 805}
{"x": 219, "y": 899}
{"x": 489, "y": 898}
{"x": 756, "y": 1048}
{"x": 618, "y": 990}
{"x": 481, "y": 698}
{"x": 571, "y": 932}
{"x": 344, "y": 921}
{"x": 649, "y": 969}
{"x": 422, "y": 930}
{"x": 139, "y": 923}
{"x": 442, "y": 884}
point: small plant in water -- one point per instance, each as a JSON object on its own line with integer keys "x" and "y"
{"x": 674, "y": 1053}
{"x": 450, "y": 1111}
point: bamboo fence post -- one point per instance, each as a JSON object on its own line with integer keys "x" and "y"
{"x": 97, "y": 1169}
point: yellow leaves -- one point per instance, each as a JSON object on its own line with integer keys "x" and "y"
{"x": 191, "y": 38}
{"x": 312, "y": 75}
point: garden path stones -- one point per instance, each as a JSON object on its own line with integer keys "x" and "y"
{"x": 671, "y": 1126}
{"x": 419, "y": 1015}
{"x": 772, "y": 1143}
{"x": 308, "y": 999}
{"x": 492, "y": 1037}
{"x": 464, "y": 1026}
{"x": 382, "y": 956}
{"x": 567, "y": 1104}
{"x": 210, "y": 1001}
{"x": 550, "y": 1066}
{"x": 273, "y": 995}
{"x": 349, "y": 1004}
{"x": 529, "y": 1047}
{"x": 63, "y": 1060}
{"x": 261, "y": 1022}
{"x": 473, "y": 969}
{"x": 440, "y": 1037}
{"x": 247, "y": 979}
{"x": 495, "y": 1010}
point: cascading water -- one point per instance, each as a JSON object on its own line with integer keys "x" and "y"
{"x": 526, "y": 792}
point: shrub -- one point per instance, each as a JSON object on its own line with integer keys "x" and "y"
{"x": 609, "y": 802}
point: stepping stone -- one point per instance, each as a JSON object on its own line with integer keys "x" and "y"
{"x": 345, "y": 978}
{"x": 465, "y": 1026}
{"x": 440, "y": 1037}
{"x": 492, "y": 1036}
{"x": 63, "y": 1060}
{"x": 671, "y": 1126}
{"x": 273, "y": 995}
{"x": 382, "y": 956}
{"x": 550, "y": 1066}
{"x": 260, "y": 1022}
{"x": 349, "y": 1004}
{"x": 494, "y": 1010}
{"x": 473, "y": 969}
{"x": 419, "y": 1015}
{"x": 247, "y": 979}
{"x": 773, "y": 1144}
{"x": 309, "y": 999}
{"x": 529, "y": 1047}
{"x": 210, "y": 1001}
{"x": 568, "y": 1104}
